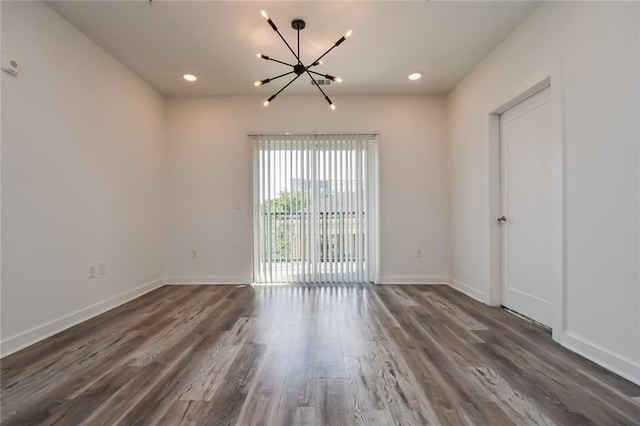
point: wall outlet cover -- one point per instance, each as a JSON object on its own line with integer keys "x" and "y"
{"x": 9, "y": 65}
{"x": 92, "y": 271}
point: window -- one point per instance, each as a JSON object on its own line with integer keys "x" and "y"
{"x": 315, "y": 208}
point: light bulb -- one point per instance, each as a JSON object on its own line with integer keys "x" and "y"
{"x": 415, "y": 76}
{"x": 333, "y": 107}
{"x": 259, "y": 55}
{"x": 266, "y": 103}
{"x": 338, "y": 80}
{"x": 257, "y": 83}
{"x": 189, "y": 77}
{"x": 264, "y": 14}
{"x": 348, "y": 33}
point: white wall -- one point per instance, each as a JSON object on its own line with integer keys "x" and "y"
{"x": 209, "y": 162}
{"x": 599, "y": 46}
{"x": 82, "y": 178}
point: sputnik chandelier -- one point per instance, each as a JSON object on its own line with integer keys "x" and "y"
{"x": 299, "y": 68}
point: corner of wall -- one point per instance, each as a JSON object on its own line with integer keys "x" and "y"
{"x": 466, "y": 289}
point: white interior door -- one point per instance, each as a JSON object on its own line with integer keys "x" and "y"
{"x": 526, "y": 185}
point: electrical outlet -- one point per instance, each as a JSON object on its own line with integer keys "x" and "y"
{"x": 194, "y": 253}
{"x": 102, "y": 269}
{"x": 9, "y": 65}
{"x": 419, "y": 253}
{"x": 92, "y": 271}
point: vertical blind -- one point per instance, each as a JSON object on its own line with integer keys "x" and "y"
{"x": 315, "y": 208}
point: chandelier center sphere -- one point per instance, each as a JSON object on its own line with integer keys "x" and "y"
{"x": 299, "y": 69}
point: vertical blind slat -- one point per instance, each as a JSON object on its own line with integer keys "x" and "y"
{"x": 365, "y": 203}
{"x": 291, "y": 219}
{"x": 339, "y": 210}
{"x": 327, "y": 203}
{"x": 360, "y": 212}
{"x": 268, "y": 197}
{"x": 334, "y": 192}
{"x": 350, "y": 211}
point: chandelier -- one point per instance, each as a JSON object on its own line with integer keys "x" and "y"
{"x": 298, "y": 68}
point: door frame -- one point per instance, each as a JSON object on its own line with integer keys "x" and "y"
{"x": 554, "y": 81}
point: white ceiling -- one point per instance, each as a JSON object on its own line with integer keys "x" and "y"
{"x": 218, "y": 41}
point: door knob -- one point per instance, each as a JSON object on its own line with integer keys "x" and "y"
{"x": 502, "y": 219}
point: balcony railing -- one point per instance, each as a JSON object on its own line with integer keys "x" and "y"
{"x": 290, "y": 241}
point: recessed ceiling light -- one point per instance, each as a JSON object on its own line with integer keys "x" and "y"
{"x": 415, "y": 76}
{"x": 189, "y": 77}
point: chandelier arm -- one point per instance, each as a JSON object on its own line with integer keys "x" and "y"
{"x": 330, "y": 77}
{"x": 316, "y": 83}
{"x": 323, "y": 55}
{"x": 269, "y": 80}
{"x": 285, "y": 42}
{"x": 286, "y": 85}
{"x": 326, "y": 98}
{"x": 281, "y": 75}
{"x": 280, "y": 62}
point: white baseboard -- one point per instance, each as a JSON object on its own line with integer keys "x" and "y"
{"x": 207, "y": 280}
{"x": 621, "y": 366}
{"x": 463, "y": 288}
{"x": 413, "y": 279}
{"x": 27, "y": 338}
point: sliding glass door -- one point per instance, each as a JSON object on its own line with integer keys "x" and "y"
{"x": 315, "y": 208}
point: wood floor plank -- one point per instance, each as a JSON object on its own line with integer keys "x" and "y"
{"x": 263, "y": 399}
{"x": 400, "y": 385}
{"x": 305, "y": 416}
{"x": 453, "y": 311}
{"x": 442, "y": 364}
{"x": 558, "y": 409}
{"x": 299, "y": 384}
{"x": 369, "y": 406}
{"x": 519, "y": 409}
{"x": 226, "y": 404}
{"x": 329, "y": 362}
{"x": 457, "y": 345}
{"x": 492, "y": 414}
{"x": 217, "y": 363}
{"x": 309, "y": 355}
{"x": 184, "y": 413}
{"x": 334, "y": 402}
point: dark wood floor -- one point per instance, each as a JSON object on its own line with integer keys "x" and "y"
{"x": 334, "y": 355}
